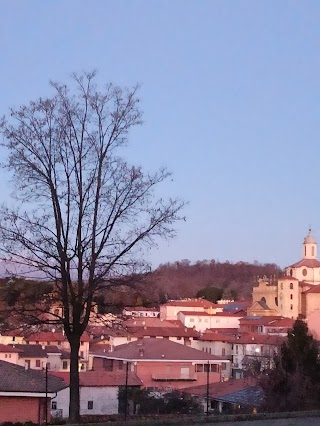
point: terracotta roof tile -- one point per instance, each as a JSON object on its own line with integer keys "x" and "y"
{"x": 158, "y": 349}
{"x": 314, "y": 289}
{"x": 197, "y": 303}
{"x": 308, "y": 263}
{"x": 8, "y": 349}
{"x": 101, "y": 378}
{"x": 221, "y": 388}
{"x": 14, "y": 378}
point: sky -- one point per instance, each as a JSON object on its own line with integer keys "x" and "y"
{"x": 231, "y": 100}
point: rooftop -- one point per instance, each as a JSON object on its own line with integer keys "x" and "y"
{"x": 159, "y": 350}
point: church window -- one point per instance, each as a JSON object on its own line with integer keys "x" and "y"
{"x": 291, "y": 286}
{"x": 312, "y": 250}
{"x": 291, "y": 296}
{"x": 291, "y": 307}
{"x": 263, "y": 300}
{"x": 276, "y": 301}
{"x": 291, "y": 272}
{"x": 281, "y": 286}
{"x": 304, "y": 272}
{"x": 305, "y": 250}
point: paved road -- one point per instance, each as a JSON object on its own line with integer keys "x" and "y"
{"x": 310, "y": 421}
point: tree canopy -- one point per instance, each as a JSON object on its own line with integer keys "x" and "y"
{"x": 294, "y": 383}
{"x": 80, "y": 214}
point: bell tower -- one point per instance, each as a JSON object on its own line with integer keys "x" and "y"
{"x": 309, "y": 246}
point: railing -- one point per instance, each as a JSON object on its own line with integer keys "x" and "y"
{"x": 57, "y": 414}
{"x": 173, "y": 377}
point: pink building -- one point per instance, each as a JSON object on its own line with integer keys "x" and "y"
{"x": 160, "y": 363}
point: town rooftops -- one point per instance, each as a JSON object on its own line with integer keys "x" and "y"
{"x": 222, "y": 388}
{"x": 101, "y": 378}
{"x": 257, "y": 339}
{"x": 195, "y": 313}
{"x": 14, "y": 378}
{"x": 164, "y": 332}
{"x": 153, "y": 349}
{"x": 140, "y": 308}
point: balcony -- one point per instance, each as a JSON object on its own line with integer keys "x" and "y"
{"x": 174, "y": 377}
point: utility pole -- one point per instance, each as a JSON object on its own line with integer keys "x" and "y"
{"x": 126, "y": 393}
{"x": 208, "y": 372}
{"x": 46, "y": 373}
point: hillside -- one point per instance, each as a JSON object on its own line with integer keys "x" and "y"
{"x": 184, "y": 279}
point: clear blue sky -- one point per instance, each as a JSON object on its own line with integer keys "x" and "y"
{"x": 231, "y": 95}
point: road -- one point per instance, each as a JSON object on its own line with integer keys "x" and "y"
{"x": 309, "y": 421}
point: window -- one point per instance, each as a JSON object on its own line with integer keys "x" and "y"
{"x": 200, "y": 320}
{"x": 64, "y": 365}
{"x": 312, "y": 250}
{"x": 53, "y": 405}
{"x": 224, "y": 365}
{"x": 108, "y": 364}
{"x": 38, "y": 364}
{"x": 304, "y": 272}
{"x": 291, "y": 286}
{"x": 237, "y": 349}
{"x": 59, "y": 343}
{"x": 214, "y": 368}
{"x": 82, "y": 366}
{"x": 223, "y": 351}
{"x": 281, "y": 286}
{"x": 291, "y": 272}
{"x": 13, "y": 338}
{"x": 291, "y": 307}
{"x": 120, "y": 365}
{"x": 206, "y": 368}
{"x": 82, "y": 343}
{"x": 6, "y": 356}
{"x": 191, "y": 319}
{"x": 199, "y": 368}
{"x": 48, "y": 365}
{"x": 291, "y": 296}
{"x": 90, "y": 405}
{"x": 81, "y": 354}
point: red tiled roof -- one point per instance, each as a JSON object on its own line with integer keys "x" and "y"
{"x": 101, "y": 378}
{"x": 282, "y": 323}
{"x": 287, "y": 278}
{"x": 164, "y": 332}
{"x": 263, "y": 320}
{"x": 229, "y": 314}
{"x": 195, "y": 313}
{"x": 140, "y": 308}
{"x": 198, "y": 303}
{"x": 158, "y": 350}
{"x": 223, "y": 330}
{"x": 45, "y": 336}
{"x": 308, "y": 263}
{"x": 151, "y": 322}
{"x": 259, "y": 339}
{"x": 222, "y": 388}
{"x": 215, "y": 337}
{"x": 313, "y": 289}
{"x": 7, "y": 349}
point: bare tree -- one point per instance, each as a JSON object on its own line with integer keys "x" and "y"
{"x": 82, "y": 215}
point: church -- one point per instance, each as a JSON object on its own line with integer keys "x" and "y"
{"x": 294, "y": 295}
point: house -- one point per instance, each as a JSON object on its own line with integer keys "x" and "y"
{"x": 99, "y": 393}
{"x": 253, "y": 353}
{"x": 160, "y": 363}
{"x": 170, "y": 310}
{"x": 9, "y": 354}
{"x": 37, "y": 357}
{"x": 25, "y": 394}
{"x": 218, "y": 344}
{"x": 55, "y": 338}
{"x": 140, "y": 312}
{"x": 182, "y": 335}
{"x": 202, "y": 321}
{"x": 232, "y": 396}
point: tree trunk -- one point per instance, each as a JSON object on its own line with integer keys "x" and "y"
{"x": 74, "y": 407}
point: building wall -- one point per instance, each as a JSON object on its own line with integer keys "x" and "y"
{"x": 311, "y": 275}
{"x": 266, "y": 291}
{"x": 104, "y": 400}
{"x": 22, "y": 409}
{"x": 289, "y": 298}
{"x": 149, "y": 372}
{"x": 9, "y": 357}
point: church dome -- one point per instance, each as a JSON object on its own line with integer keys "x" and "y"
{"x": 309, "y": 239}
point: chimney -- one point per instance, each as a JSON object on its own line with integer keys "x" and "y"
{"x": 141, "y": 352}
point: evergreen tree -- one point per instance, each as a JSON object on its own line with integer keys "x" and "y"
{"x": 294, "y": 383}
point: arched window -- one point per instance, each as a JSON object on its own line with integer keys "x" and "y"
{"x": 312, "y": 250}
{"x": 291, "y": 272}
{"x": 281, "y": 285}
{"x": 291, "y": 286}
{"x": 263, "y": 300}
{"x": 291, "y": 296}
{"x": 291, "y": 307}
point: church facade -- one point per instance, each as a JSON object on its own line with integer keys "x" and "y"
{"x": 297, "y": 293}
